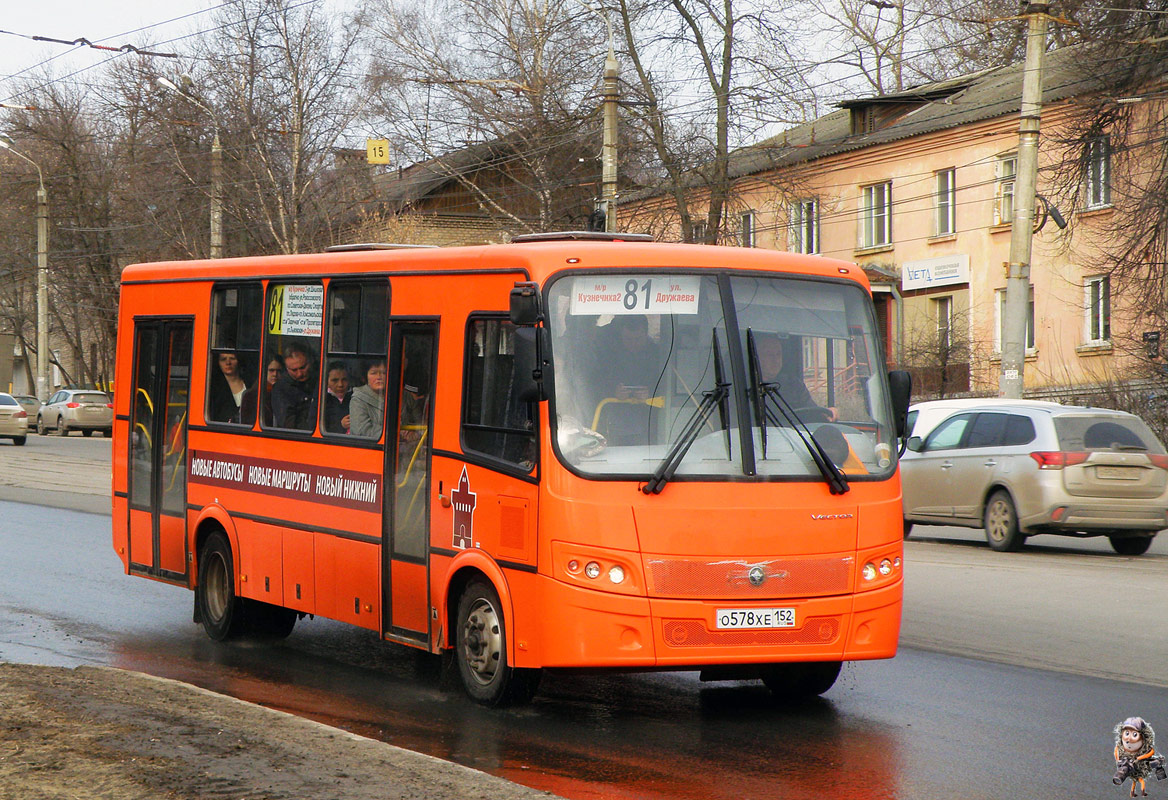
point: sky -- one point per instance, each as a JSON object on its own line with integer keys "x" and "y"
{"x": 141, "y": 23}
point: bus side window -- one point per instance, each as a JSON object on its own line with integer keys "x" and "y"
{"x": 293, "y": 327}
{"x": 354, "y": 378}
{"x": 495, "y": 422}
{"x": 233, "y": 364}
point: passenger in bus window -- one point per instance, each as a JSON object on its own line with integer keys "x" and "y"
{"x": 336, "y": 398}
{"x": 294, "y": 395}
{"x": 367, "y": 405}
{"x": 272, "y": 374}
{"x": 228, "y": 389}
{"x": 772, "y": 349}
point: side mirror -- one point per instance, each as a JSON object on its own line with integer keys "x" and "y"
{"x": 900, "y": 386}
{"x": 525, "y": 308}
{"x": 915, "y": 443}
{"x": 529, "y": 366}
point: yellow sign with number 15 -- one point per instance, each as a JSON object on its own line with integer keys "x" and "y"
{"x": 377, "y": 151}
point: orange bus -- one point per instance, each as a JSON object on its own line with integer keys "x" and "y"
{"x": 571, "y": 451}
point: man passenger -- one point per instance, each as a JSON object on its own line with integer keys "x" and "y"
{"x": 294, "y": 395}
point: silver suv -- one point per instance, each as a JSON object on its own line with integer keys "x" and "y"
{"x": 85, "y": 410}
{"x": 1021, "y": 469}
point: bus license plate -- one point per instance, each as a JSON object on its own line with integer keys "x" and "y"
{"x": 742, "y": 618}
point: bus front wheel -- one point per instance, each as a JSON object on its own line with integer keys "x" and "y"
{"x": 481, "y": 651}
{"x": 796, "y": 682}
{"x": 220, "y": 610}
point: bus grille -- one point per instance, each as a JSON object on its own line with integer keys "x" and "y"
{"x": 693, "y": 633}
{"x": 730, "y": 578}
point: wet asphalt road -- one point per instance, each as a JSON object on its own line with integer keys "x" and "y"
{"x": 923, "y": 725}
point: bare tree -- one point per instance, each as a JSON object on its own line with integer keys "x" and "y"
{"x": 511, "y": 83}
{"x": 705, "y": 74}
{"x": 284, "y": 82}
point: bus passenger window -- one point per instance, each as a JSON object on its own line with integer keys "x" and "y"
{"x": 294, "y": 319}
{"x": 233, "y": 364}
{"x": 495, "y": 421}
{"x": 355, "y": 379}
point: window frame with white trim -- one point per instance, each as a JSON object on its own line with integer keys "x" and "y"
{"x": 803, "y": 227}
{"x": 945, "y": 202}
{"x": 875, "y": 218}
{"x": 1000, "y": 322}
{"x": 1005, "y": 173}
{"x": 1097, "y": 310}
{"x": 1097, "y": 179}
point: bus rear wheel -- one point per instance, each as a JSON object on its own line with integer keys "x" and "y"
{"x": 221, "y": 611}
{"x": 481, "y": 651}
{"x": 795, "y": 682}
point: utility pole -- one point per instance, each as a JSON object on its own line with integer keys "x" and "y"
{"x": 216, "y": 165}
{"x": 608, "y": 149}
{"x": 216, "y": 196}
{"x": 42, "y": 221}
{"x": 42, "y": 388}
{"x": 1010, "y": 383}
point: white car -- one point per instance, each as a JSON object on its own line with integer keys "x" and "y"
{"x": 85, "y": 410}
{"x": 13, "y": 419}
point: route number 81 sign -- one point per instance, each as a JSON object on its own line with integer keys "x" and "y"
{"x": 635, "y": 294}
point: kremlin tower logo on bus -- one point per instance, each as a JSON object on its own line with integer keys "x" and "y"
{"x": 463, "y": 501}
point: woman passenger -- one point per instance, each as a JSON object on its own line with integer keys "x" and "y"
{"x": 274, "y": 370}
{"x": 367, "y": 405}
{"x": 229, "y": 401}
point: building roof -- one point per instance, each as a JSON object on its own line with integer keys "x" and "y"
{"x": 927, "y": 108}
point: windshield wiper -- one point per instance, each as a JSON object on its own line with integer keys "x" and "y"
{"x": 715, "y": 398}
{"x": 764, "y": 412}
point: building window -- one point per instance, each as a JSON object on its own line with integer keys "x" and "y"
{"x": 945, "y": 220}
{"x": 944, "y": 308}
{"x": 747, "y": 238}
{"x": 1097, "y": 303}
{"x": 1006, "y": 170}
{"x": 1000, "y": 328}
{"x": 876, "y": 215}
{"x": 698, "y": 232}
{"x": 804, "y": 224}
{"x": 1099, "y": 172}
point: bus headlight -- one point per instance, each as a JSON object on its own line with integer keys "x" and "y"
{"x": 885, "y": 567}
{"x": 869, "y": 572}
{"x": 616, "y": 574}
{"x": 592, "y": 569}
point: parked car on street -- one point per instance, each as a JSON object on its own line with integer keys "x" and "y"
{"x": 85, "y": 410}
{"x": 30, "y": 404}
{"x": 13, "y": 419}
{"x": 1017, "y": 468}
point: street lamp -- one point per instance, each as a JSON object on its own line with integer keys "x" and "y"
{"x": 216, "y": 169}
{"x": 42, "y": 217}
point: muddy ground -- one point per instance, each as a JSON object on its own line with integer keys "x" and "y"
{"x": 98, "y": 732}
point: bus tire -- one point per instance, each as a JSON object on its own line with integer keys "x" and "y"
{"x": 220, "y": 610}
{"x": 266, "y": 621}
{"x": 481, "y": 651}
{"x": 801, "y": 681}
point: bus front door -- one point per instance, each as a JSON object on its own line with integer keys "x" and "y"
{"x": 158, "y": 448}
{"x": 406, "y": 534}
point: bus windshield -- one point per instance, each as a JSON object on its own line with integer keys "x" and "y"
{"x": 743, "y": 376}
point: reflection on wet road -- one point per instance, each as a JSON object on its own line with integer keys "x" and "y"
{"x": 920, "y": 726}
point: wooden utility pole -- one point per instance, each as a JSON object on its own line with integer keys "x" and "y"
{"x": 608, "y": 149}
{"x": 1010, "y": 383}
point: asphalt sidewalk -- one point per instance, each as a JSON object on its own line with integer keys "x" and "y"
{"x": 100, "y": 732}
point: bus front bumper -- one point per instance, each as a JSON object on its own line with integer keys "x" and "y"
{"x": 607, "y": 630}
